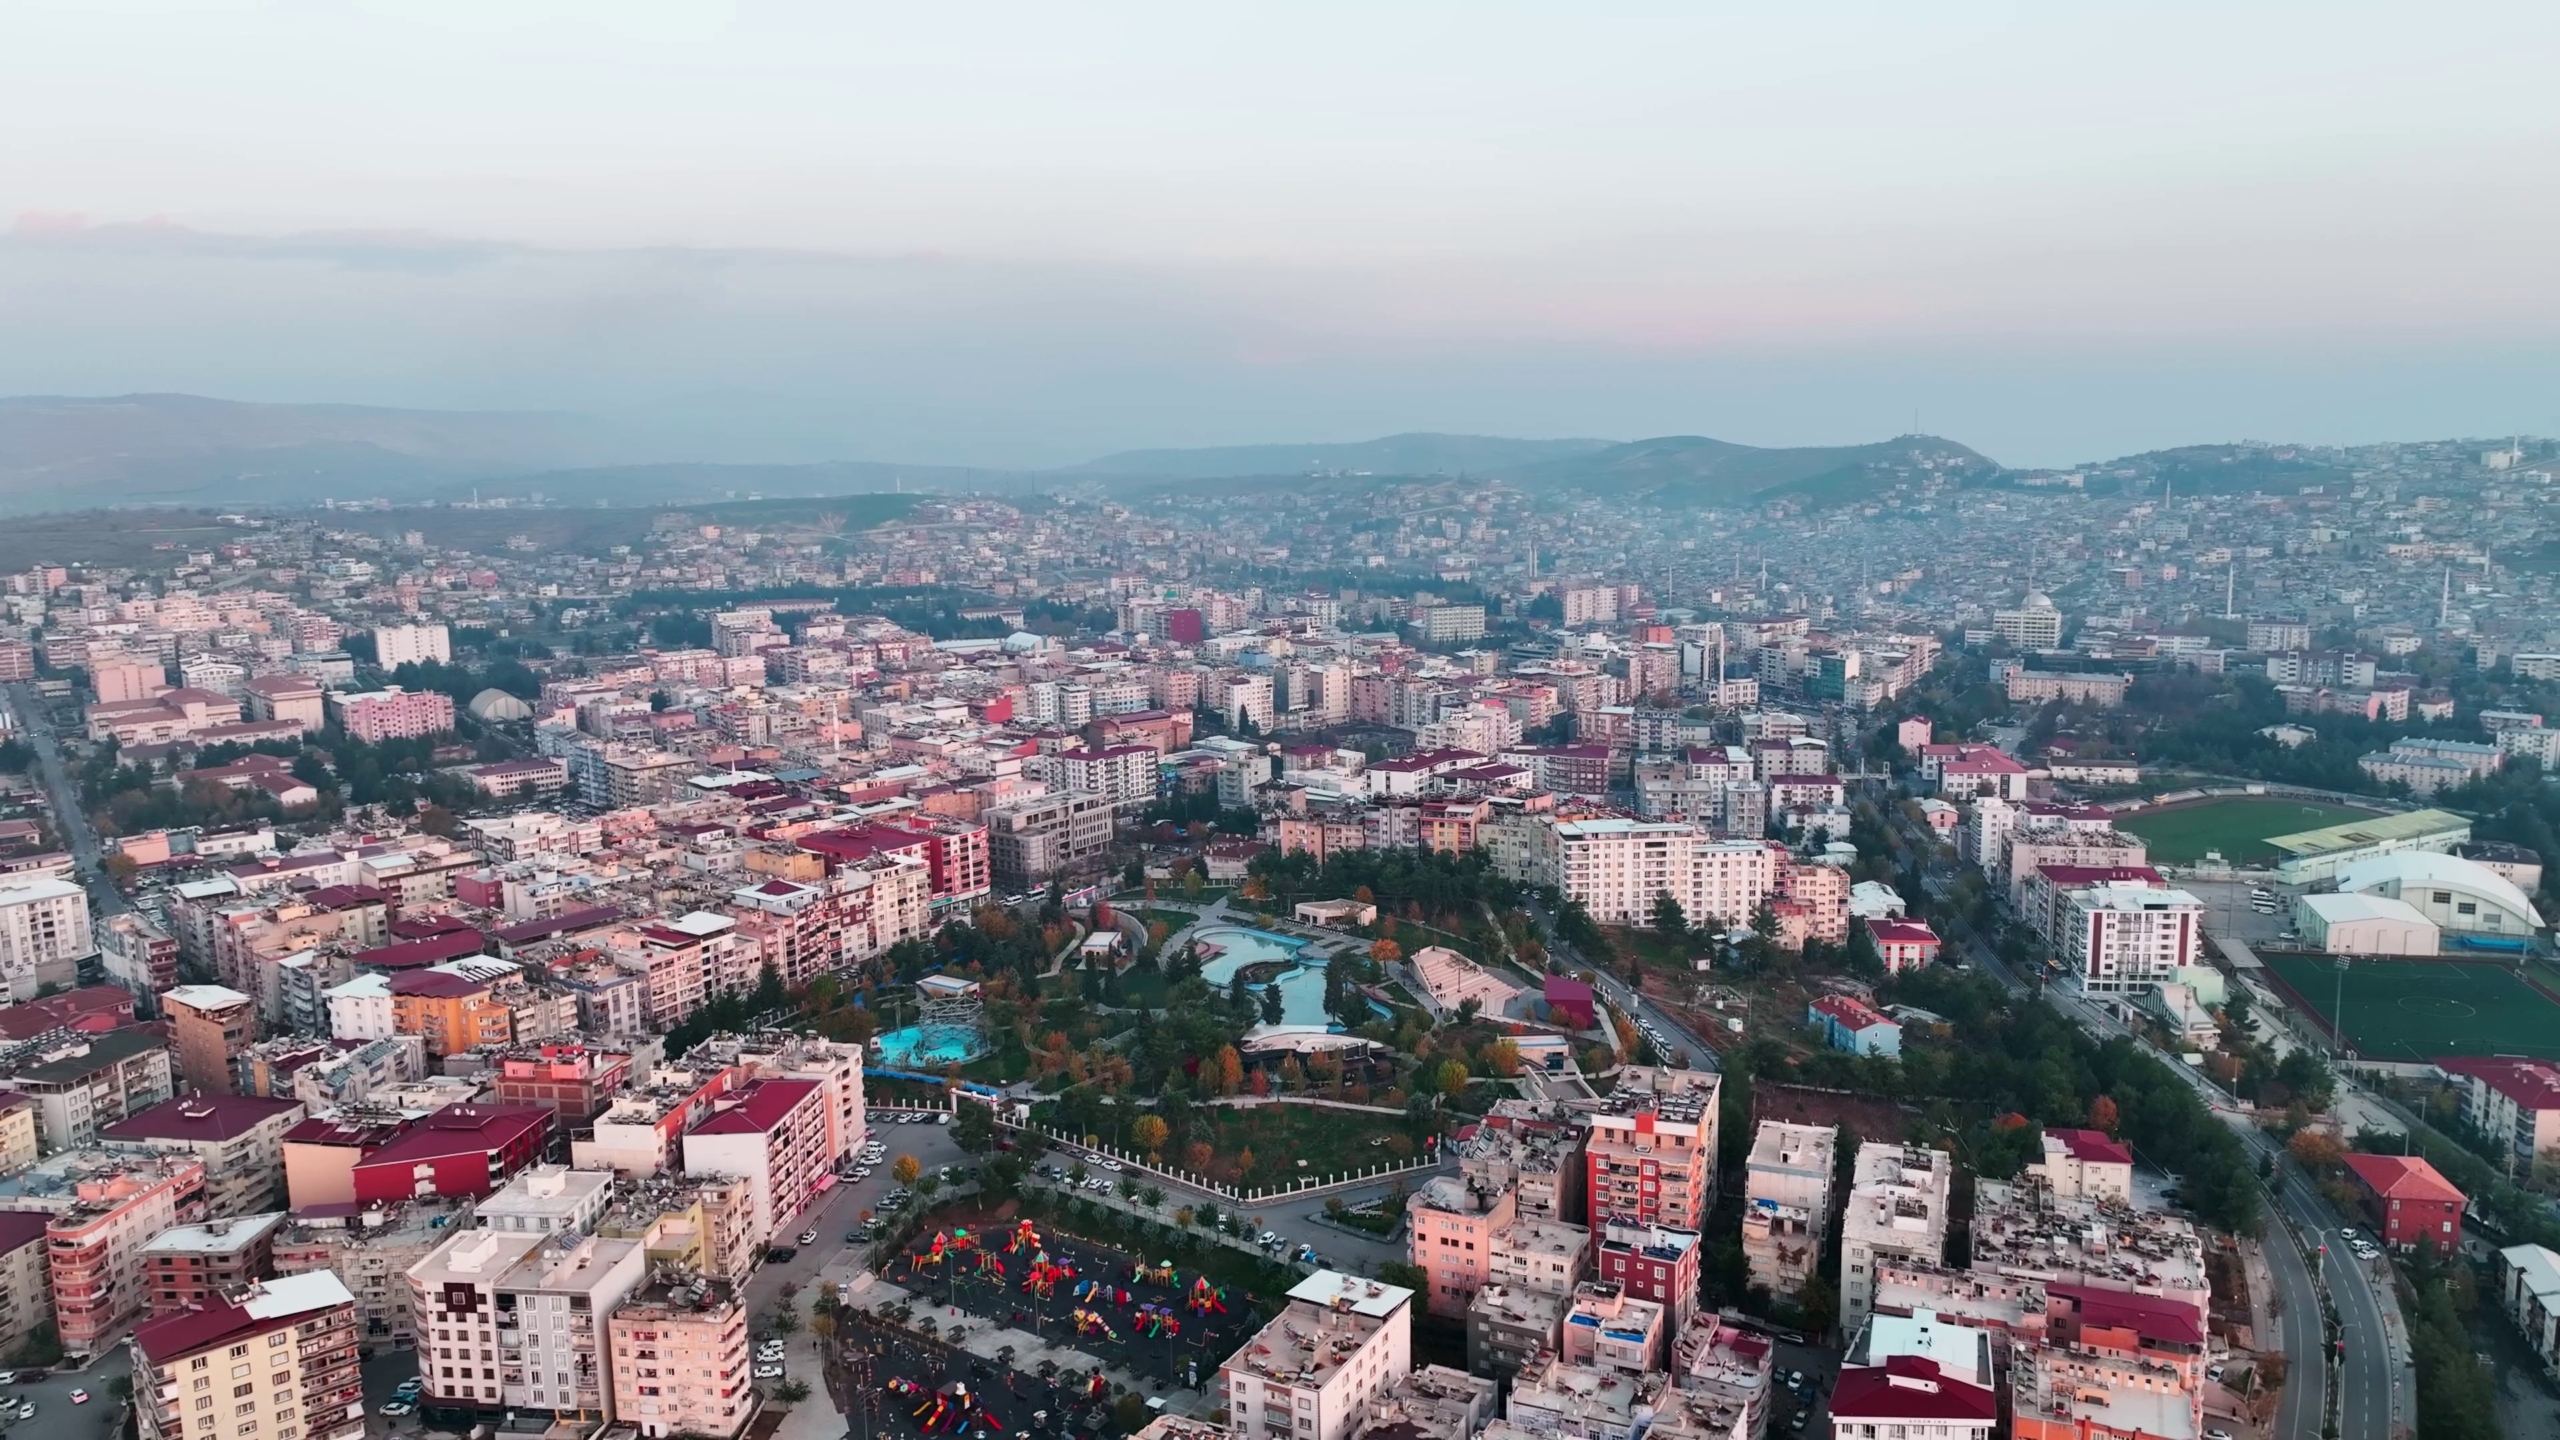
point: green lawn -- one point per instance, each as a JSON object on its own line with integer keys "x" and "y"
{"x": 2416, "y": 1010}
{"x": 2237, "y": 827}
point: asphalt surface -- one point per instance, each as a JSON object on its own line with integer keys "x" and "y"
{"x": 1686, "y": 1048}
{"x": 56, "y": 1417}
{"x": 840, "y": 1209}
{"x": 70, "y": 821}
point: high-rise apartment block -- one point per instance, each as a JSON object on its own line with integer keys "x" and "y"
{"x": 1651, "y": 1159}
{"x": 1786, "y": 1204}
{"x": 398, "y": 645}
{"x": 274, "y": 1360}
{"x": 1897, "y": 1209}
{"x": 1315, "y": 1366}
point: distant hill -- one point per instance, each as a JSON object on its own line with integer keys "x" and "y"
{"x": 693, "y": 483}
{"x": 1412, "y": 454}
{"x": 1695, "y": 470}
{"x": 62, "y": 451}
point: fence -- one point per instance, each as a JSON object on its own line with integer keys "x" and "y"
{"x": 1308, "y": 1185}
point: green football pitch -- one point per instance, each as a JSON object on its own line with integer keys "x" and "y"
{"x": 2237, "y": 827}
{"x": 2416, "y": 1010}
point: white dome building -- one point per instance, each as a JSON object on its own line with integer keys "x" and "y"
{"x": 494, "y": 705}
{"x": 2460, "y": 896}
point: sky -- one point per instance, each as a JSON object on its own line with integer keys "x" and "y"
{"x": 1026, "y": 234}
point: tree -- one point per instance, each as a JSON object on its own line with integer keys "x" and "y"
{"x": 1230, "y": 1070}
{"x": 1669, "y": 919}
{"x": 1450, "y": 1079}
{"x": 906, "y": 1168}
{"x": 1150, "y": 1133}
{"x": 2102, "y": 1114}
{"x": 1386, "y": 952}
{"x": 791, "y": 1392}
{"x": 783, "y": 1321}
{"x": 1197, "y": 1155}
{"x": 1245, "y": 1162}
{"x": 1502, "y": 1057}
{"x": 927, "y": 1184}
{"x": 1272, "y": 1004}
{"x": 2315, "y": 1151}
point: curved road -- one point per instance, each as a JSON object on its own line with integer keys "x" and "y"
{"x": 68, "y": 818}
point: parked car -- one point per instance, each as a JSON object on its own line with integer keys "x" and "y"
{"x": 79, "y": 1397}
{"x": 397, "y": 1408}
{"x": 768, "y": 1372}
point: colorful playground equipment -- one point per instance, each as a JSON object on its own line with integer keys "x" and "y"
{"x": 1090, "y": 1323}
{"x": 953, "y": 1407}
{"x": 961, "y": 1239}
{"x": 1160, "y": 1273}
{"x": 1044, "y": 1277}
{"x": 1157, "y": 1323}
{"x": 988, "y": 1264}
{"x": 1026, "y": 1236}
{"x": 933, "y": 1255}
{"x": 1205, "y": 1298}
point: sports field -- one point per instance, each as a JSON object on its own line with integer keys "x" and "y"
{"x": 2238, "y": 827}
{"x": 2420, "y": 1009}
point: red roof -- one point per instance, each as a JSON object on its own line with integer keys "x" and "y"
{"x": 359, "y": 1133}
{"x": 759, "y": 1108}
{"x": 2155, "y": 1318}
{"x": 2532, "y": 1084}
{"x": 2092, "y": 1145}
{"x": 200, "y": 1117}
{"x": 420, "y": 927}
{"x": 1909, "y": 1387}
{"x": 463, "y": 1130}
{"x": 2072, "y": 877}
{"x": 436, "y": 985}
{"x": 91, "y": 1007}
{"x": 1851, "y": 1011}
{"x": 2403, "y": 1177}
{"x": 1902, "y": 932}
{"x": 435, "y": 950}
{"x": 216, "y": 1322}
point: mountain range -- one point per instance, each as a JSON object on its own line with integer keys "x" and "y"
{"x": 65, "y": 453}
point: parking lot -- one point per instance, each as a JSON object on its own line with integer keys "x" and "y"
{"x": 56, "y": 1414}
{"x": 2257, "y": 910}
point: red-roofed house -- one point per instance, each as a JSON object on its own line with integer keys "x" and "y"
{"x": 459, "y": 1150}
{"x": 2411, "y": 1204}
{"x": 1570, "y": 1001}
{"x": 240, "y": 1139}
{"x": 1908, "y": 1390}
{"x": 1903, "y": 944}
{"x": 91, "y": 1007}
{"x": 2041, "y": 891}
{"x": 2505, "y": 1095}
{"x": 1849, "y": 1023}
{"x": 2086, "y": 1164}
{"x": 313, "y": 1390}
{"x": 955, "y": 852}
{"x": 774, "y": 1135}
{"x": 1966, "y": 771}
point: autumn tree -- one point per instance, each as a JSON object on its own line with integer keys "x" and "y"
{"x": 1450, "y": 1079}
{"x": 1244, "y": 1162}
{"x": 1230, "y": 1071}
{"x": 1197, "y": 1155}
{"x": 1386, "y": 952}
{"x": 2102, "y": 1114}
{"x": 1502, "y": 1057}
{"x": 2315, "y": 1151}
{"x": 906, "y": 1169}
{"x": 1150, "y": 1133}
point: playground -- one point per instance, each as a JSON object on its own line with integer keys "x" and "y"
{"x": 2236, "y": 826}
{"x": 2416, "y": 1010}
{"x": 1166, "y": 1323}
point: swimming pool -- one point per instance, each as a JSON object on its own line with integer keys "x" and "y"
{"x": 925, "y": 1046}
{"x": 1301, "y": 987}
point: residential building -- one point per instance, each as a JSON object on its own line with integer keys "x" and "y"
{"x": 238, "y": 1138}
{"x": 286, "y": 697}
{"x": 1617, "y": 867}
{"x": 2514, "y": 1099}
{"x": 2528, "y": 1290}
{"x": 85, "y": 1082}
{"x": 1311, "y": 1371}
{"x": 211, "y": 1026}
{"x": 774, "y": 1134}
{"x": 1731, "y": 1369}
{"x": 391, "y": 713}
{"x": 2035, "y": 625}
{"x": 1897, "y": 1208}
{"x": 271, "y": 1361}
{"x": 102, "y": 1210}
{"x": 370, "y": 1248}
{"x": 1450, "y": 1225}
{"x": 459, "y": 1150}
{"x": 2428, "y": 765}
{"x": 2409, "y": 1203}
{"x": 1555, "y": 1397}
{"x": 678, "y": 1356}
{"x": 1609, "y": 1329}
{"x": 1786, "y": 1204}
{"x": 398, "y": 645}
{"x": 191, "y": 1267}
{"x": 547, "y": 1200}
{"x": 1509, "y": 1326}
{"x": 1651, "y": 1158}
{"x": 1044, "y": 837}
{"x": 1902, "y": 944}
{"x": 1911, "y": 1395}
{"x": 453, "y": 1293}
{"x": 1659, "y": 1263}
{"x": 2073, "y": 687}
{"x": 452, "y": 1012}
{"x": 1123, "y": 774}
{"x": 44, "y": 933}
{"x": 553, "y": 1355}
{"x": 2086, "y": 1165}
{"x": 20, "y": 1137}
{"x": 1846, "y": 1022}
{"x": 1547, "y": 1256}
{"x": 26, "y": 1278}
{"x": 2120, "y": 941}
{"x": 1534, "y": 1149}
{"x": 575, "y": 1081}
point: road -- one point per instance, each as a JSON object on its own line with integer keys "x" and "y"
{"x": 56, "y": 1417}
{"x": 840, "y": 1209}
{"x": 68, "y": 818}
{"x": 1688, "y": 1048}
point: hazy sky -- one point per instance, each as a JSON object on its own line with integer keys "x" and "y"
{"x": 1026, "y": 233}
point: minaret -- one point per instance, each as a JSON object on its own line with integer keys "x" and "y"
{"x": 2444, "y": 601}
{"x": 2230, "y": 586}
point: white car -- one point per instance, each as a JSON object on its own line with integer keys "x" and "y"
{"x": 397, "y": 1408}
{"x": 1112, "y": 1165}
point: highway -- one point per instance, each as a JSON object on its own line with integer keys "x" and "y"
{"x": 71, "y": 821}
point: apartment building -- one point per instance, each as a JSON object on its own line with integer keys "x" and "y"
{"x": 391, "y": 713}
{"x": 370, "y": 1248}
{"x": 286, "y": 697}
{"x": 238, "y": 1138}
{"x": 1609, "y": 1329}
{"x": 678, "y": 1350}
{"x": 553, "y": 1307}
{"x": 1651, "y": 1156}
{"x": 1450, "y": 1224}
{"x": 101, "y": 1210}
{"x": 576, "y": 1082}
{"x": 1034, "y": 840}
{"x": 1547, "y": 1257}
{"x": 398, "y": 645}
{"x": 775, "y": 1135}
{"x": 82, "y": 1083}
{"x": 1652, "y": 1262}
{"x": 1897, "y": 1209}
{"x": 453, "y": 1293}
{"x": 2513, "y": 1098}
{"x": 1309, "y": 1373}
{"x": 188, "y": 1267}
{"x": 26, "y": 1277}
{"x": 836, "y": 1067}
{"x": 1123, "y": 774}
{"x": 452, "y": 1012}
{"x": 2085, "y": 1165}
{"x": 1731, "y": 1368}
{"x": 44, "y": 933}
{"x": 20, "y": 1141}
{"x": 1788, "y": 1202}
{"x": 1616, "y": 867}
{"x": 642, "y": 1133}
{"x": 700, "y": 1224}
{"x": 460, "y": 1150}
{"x": 1508, "y": 1328}
{"x": 2125, "y": 941}
{"x": 1533, "y": 1148}
{"x": 274, "y": 1360}
{"x": 547, "y": 1200}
